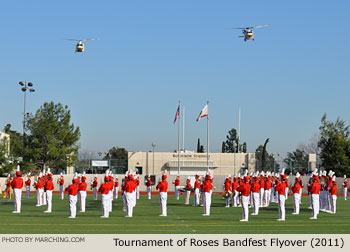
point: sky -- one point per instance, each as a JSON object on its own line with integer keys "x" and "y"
{"x": 124, "y": 89}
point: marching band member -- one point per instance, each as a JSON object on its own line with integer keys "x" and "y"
{"x": 297, "y": 190}
{"x": 129, "y": 188}
{"x": 48, "y": 191}
{"x": 28, "y": 183}
{"x": 207, "y": 188}
{"x": 44, "y": 202}
{"x": 188, "y": 189}
{"x": 72, "y": 198}
{"x": 8, "y": 190}
{"x": 345, "y": 187}
{"x": 281, "y": 190}
{"x": 111, "y": 185}
{"x": 287, "y": 187}
{"x": 82, "y": 193}
{"x": 123, "y": 192}
{"x": 163, "y": 194}
{"x": 40, "y": 189}
{"x": 94, "y": 185}
{"x": 17, "y": 185}
{"x": 137, "y": 180}
{"x": 228, "y": 192}
{"x": 197, "y": 185}
{"x": 333, "y": 191}
{"x": 256, "y": 192}
{"x": 315, "y": 190}
{"x": 149, "y": 187}
{"x": 116, "y": 188}
{"x": 267, "y": 190}
{"x": 309, "y": 185}
{"x": 61, "y": 183}
{"x": 177, "y": 187}
{"x": 244, "y": 190}
{"x": 235, "y": 198}
{"x": 262, "y": 182}
{"x": 104, "y": 189}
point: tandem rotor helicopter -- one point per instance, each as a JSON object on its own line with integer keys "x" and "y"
{"x": 80, "y": 45}
{"x": 248, "y": 31}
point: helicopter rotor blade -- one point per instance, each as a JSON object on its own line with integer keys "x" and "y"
{"x": 73, "y": 39}
{"x": 88, "y": 39}
{"x": 258, "y": 26}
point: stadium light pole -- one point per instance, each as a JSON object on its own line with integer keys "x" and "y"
{"x": 153, "y": 146}
{"x": 26, "y": 86}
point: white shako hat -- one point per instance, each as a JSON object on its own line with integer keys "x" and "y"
{"x": 18, "y": 170}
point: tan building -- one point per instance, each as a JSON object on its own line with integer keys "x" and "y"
{"x": 190, "y": 163}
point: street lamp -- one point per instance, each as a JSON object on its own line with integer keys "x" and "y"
{"x": 153, "y": 146}
{"x": 26, "y": 86}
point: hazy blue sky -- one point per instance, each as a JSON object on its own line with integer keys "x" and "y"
{"x": 125, "y": 89}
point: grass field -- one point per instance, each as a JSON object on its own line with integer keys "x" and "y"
{"x": 181, "y": 219}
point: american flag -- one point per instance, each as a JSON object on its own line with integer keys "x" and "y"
{"x": 177, "y": 113}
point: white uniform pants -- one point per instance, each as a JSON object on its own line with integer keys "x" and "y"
{"x": 82, "y": 200}
{"x": 228, "y": 200}
{"x": 188, "y": 194}
{"x": 281, "y": 206}
{"x": 196, "y": 197}
{"x": 95, "y": 193}
{"x": 124, "y": 202}
{"x": 129, "y": 198}
{"x": 17, "y": 193}
{"x": 256, "y": 202}
{"x": 245, "y": 210}
{"x": 345, "y": 192}
{"x": 315, "y": 205}
{"x": 110, "y": 197}
{"x": 28, "y": 191}
{"x": 235, "y": 199}
{"x": 310, "y": 200}
{"x": 287, "y": 190}
{"x": 49, "y": 200}
{"x": 40, "y": 196}
{"x": 116, "y": 189}
{"x": 134, "y": 198}
{"x": 177, "y": 192}
{"x": 149, "y": 189}
{"x": 44, "y": 202}
{"x": 163, "y": 196}
{"x": 262, "y": 194}
{"x": 207, "y": 202}
{"x": 105, "y": 205}
{"x": 72, "y": 205}
{"x": 334, "y": 203}
{"x": 61, "y": 192}
{"x": 323, "y": 199}
{"x": 296, "y": 202}
{"x": 267, "y": 197}
{"x": 137, "y": 192}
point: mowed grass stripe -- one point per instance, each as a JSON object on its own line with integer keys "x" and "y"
{"x": 180, "y": 219}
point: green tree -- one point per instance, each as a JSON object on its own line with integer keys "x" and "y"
{"x": 269, "y": 164}
{"x": 232, "y": 144}
{"x": 53, "y": 138}
{"x": 335, "y": 146}
{"x": 117, "y": 153}
{"x": 297, "y": 161}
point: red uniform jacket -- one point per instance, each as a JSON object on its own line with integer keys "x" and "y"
{"x": 255, "y": 187}
{"x": 268, "y": 184}
{"x": 17, "y": 183}
{"x": 281, "y": 188}
{"x": 129, "y": 186}
{"x": 345, "y": 184}
{"x": 82, "y": 186}
{"x": 315, "y": 188}
{"x": 188, "y": 185}
{"x": 116, "y": 184}
{"x": 207, "y": 186}
{"x": 234, "y": 186}
{"x": 334, "y": 190}
{"x": 105, "y": 188}
{"x": 163, "y": 186}
{"x": 244, "y": 189}
{"x": 72, "y": 189}
{"x": 149, "y": 183}
{"x": 197, "y": 184}
{"x": 177, "y": 182}
{"x": 49, "y": 185}
{"x": 296, "y": 188}
{"x": 95, "y": 183}
{"x": 262, "y": 183}
{"x": 62, "y": 182}
{"x": 28, "y": 182}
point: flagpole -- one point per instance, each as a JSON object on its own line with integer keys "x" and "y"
{"x": 178, "y": 141}
{"x": 208, "y": 137}
{"x": 239, "y": 129}
{"x": 183, "y": 135}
